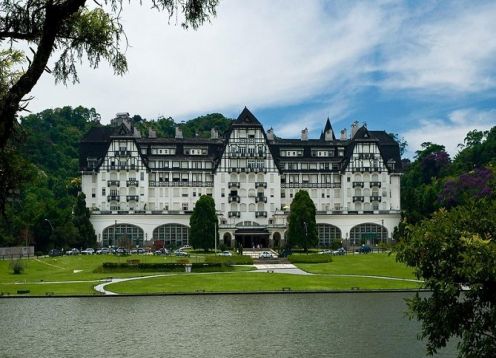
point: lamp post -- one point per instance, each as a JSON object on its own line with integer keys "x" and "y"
{"x": 51, "y": 232}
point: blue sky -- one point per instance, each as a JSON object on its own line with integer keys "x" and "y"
{"x": 423, "y": 69}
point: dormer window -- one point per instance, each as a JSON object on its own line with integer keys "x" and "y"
{"x": 91, "y": 163}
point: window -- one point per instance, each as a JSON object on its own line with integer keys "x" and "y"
{"x": 327, "y": 234}
{"x": 122, "y": 235}
{"x": 171, "y": 234}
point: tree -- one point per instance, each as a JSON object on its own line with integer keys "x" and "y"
{"x": 77, "y": 30}
{"x": 81, "y": 221}
{"x": 302, "y": 228}
{"x": 403, "y": 144}
{"x": 203, "y": 224}
{"x": 454, "y": 252}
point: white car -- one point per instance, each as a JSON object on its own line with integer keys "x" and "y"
{"x": 73, "y": 251}
{"x": 226, "y": 253}
{"x": 265, "y": 255}
{"x": 88, "y": 251}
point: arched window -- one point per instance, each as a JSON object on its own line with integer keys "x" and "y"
{"x": 124, "y": 235}
{"x": 327, "y": 234}
{"x": 172, "y": 234}
{"x": 368, "y": 233}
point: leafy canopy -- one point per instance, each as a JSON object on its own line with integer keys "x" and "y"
{"x": 302, "y": 228}
{"x": 78, "y": 31}
{"x": 203, "y": 224}
{"x": 454, "y": 250}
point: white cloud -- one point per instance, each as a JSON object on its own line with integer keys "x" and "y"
{"x": 255, "y": 53}
{"x": 451, "y": 131}
{"x": 450, "y": 52}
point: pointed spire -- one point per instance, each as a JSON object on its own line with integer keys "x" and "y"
{"x": 328, "y": 134}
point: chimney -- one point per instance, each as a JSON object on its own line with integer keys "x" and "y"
{"x": 214, "y": 134}
{"x": 152, "y": 133}
{"x": 344, "y": 135}
{"x": 354, "y": 128}
{"x": 179, "y": 133}
{"x": 328, "y": 135}
{"x": 304, "y": 134}
{"x": 270, "y": 134}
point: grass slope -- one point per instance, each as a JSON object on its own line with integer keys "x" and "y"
{"x": 250, "y": 281}
{"x": 57, "y": 271}
{"x": 370, "y": 264}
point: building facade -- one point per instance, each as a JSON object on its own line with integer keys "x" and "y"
{"x": 144, "y": 189}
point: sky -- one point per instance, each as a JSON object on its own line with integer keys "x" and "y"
{"x": 423, "y": 69}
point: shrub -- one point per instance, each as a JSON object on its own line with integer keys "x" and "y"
{"x": 17, "y": 267}
{"x": 309, "y": 259}
{"x": 109, "y": 267}
{"x": 230, "y": 260}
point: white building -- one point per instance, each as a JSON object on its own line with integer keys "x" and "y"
{"x": 146, "y": 188}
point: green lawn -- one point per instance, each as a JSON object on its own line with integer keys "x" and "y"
{"x": 83, "y": 288}
{"x": 80, "y": 268}
{"x": 249, "y": 282}
{"x": 64, "y": 268}
{"x": 369, "y": 264}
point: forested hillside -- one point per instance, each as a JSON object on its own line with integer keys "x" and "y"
{"x": 43, "y": 207}
{"x": 434, "y": 180}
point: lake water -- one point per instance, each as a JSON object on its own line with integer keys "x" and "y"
{"x": 294, "y": 325}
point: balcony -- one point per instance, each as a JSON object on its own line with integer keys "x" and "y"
{"x": 375, "y": 198}
{"x": 122, "y": 153}
{"x": 234, "y": 214}
{"x": 260, "y": 199}
{"x": 365, "y": 155}
{"x": 113, "y": 183}
{"x": 233, "y": 184}
{"x": 260, "y": 184}
{"x": 132, "y": 197}
{"x": 358, "y": 184}
{"x": 234, "y": 199}
{"x": 113, "y": 198}
{"x": 375, "y": 184}
{"x": 358, "y": 198}
{"x": 260, "y": 214}
{"x": 311, "y": 185}
{"x": 132, "y": 183}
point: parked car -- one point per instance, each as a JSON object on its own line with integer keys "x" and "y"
{"x": 54, "y": 252}
{"x": 103, "y": 251}
{"x": 185, "y": 247}
{"x": 181, "y": 253}
{"x": 265, "y": 255}
{"x": 162, "y": 251}
{"x": 141, "y": 251}
{"x": 226, "y": 253}
{"x": 88, "y": 251}
{"x": 340, "y": 251}
{"x": 121, "y": 251}
{"x": 73, "y": 251}
{"x": 325, "y": 252}
{"x": 364, "y": 249}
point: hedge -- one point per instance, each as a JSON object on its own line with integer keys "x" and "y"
{"x": 160, "y": 267}
{"x": 309, "y": 259}
{"x": 229, "y": 260}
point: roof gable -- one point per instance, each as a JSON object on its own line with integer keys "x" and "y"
{"x": 246, "y": 118}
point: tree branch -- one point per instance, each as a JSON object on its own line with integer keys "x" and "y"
{"x": 9, "y": 105}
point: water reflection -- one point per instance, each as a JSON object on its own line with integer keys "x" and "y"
{"x": 306, "y": 325}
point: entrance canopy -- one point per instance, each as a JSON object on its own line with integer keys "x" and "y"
{"x": 252, "y": 237}
{"x": 252, "y": 232}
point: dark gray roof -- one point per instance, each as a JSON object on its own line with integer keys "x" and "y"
{"x": 96, "y": 142}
